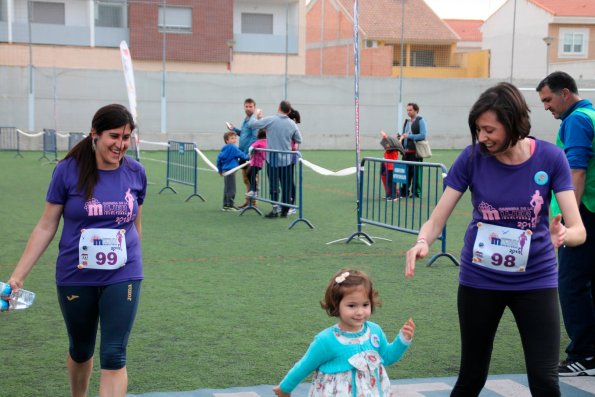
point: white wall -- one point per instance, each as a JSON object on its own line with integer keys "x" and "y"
{"x": 579, "y": 69}
{"x": 529, "y": 48}
{"x": 200, "y": 104}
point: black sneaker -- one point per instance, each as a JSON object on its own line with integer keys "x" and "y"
{"x": 272, "y": 214}
{"x": 577, "y": 368}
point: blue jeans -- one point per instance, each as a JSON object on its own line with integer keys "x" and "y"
{"x": 576, "y": 287}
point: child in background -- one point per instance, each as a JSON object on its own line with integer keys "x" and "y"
{"x": 295, "y": 116}
{"x": 392, "y": 147}
{"x": 349, "y": 357}
{"x": 257, "y": 160}
{"x": 226, "y": 160}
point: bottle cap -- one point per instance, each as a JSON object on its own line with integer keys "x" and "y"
{"x": 5, "y": 290}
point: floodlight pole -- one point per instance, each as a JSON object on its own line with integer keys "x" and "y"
{"x": 512, "y": 44}
{"x": 400, "y": 109}
{"x": 31, "y": 89}
{"x": 164, "y": 71}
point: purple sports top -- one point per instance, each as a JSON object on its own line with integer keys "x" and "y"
{"x": 114, "y": 205}
{"x": 513, "y": 196}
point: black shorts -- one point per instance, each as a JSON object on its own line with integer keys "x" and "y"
{"x": 85, "y": 307}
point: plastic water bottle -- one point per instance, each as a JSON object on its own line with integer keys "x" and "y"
{"x": 19, "y": 300}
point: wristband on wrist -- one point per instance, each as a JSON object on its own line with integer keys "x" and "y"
{"x": 421, "y": 240}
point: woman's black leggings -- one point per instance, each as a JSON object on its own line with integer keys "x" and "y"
{"x": 113, "y": 306}
{"x": 538, "y": 320}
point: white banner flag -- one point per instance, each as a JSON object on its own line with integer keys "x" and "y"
{"x": 129, "y": 76}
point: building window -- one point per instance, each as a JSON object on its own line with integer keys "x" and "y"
{"x": 175, "y": 19}
{"x": 110, "y": 14}
{"x": 257, "y": 23}
{"x": 574, "y": 43}
{"x": 3, "y": 5}
{"x": 45, "y": 12}
{"x": 422, "y": 58}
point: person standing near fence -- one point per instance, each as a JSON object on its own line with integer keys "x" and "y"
{"x": 576, "y": 272}
{"x": 247, "y": 137}
{"x": 392, "y": 147}
{"x": 99, "y": 193}
{"x": 227, "y": 159}
{"x": 257, "y": 159}
{"x": 414, "y": 129}
{"x": 297, "y": 118}
{"x": 508, "y": 257}
{"x": 281, "y": 131}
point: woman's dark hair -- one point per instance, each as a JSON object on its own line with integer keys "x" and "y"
{"x": 262, "y": 133}
{"x": 295, "y": 116}
{"x": 509, "y": 105}
{"x": 106, "y": 118}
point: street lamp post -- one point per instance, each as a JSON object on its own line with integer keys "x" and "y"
{"x": 548, "y": 40}
{"x": 230, "y": 44}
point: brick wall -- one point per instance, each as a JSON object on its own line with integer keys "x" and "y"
{"x": 337, "y": 46}
{"x": 212, "y": 27}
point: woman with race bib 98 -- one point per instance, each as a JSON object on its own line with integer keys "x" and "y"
{"x": 99, "y": 192}
{"x": 508, "y": 257}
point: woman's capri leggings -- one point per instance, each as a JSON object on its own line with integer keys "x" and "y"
{"x": 113, "y": 306}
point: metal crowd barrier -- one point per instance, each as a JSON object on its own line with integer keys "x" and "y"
{"x": 182, "y": 166}
{"x": 400, "y": 199}
{"x": 10, "y": 140}
{"x": 280, "y": 183}
{"x": 74, "y": 138}
{"x": 133, "y": 148}
{"x": 50, "y": 147}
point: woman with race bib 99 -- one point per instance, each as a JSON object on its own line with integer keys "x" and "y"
{"x": 99, "y": 192}
{"x": 508, "y": 257}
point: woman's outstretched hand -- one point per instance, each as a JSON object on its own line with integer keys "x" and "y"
{"x": 419, "y": 250}
{"x": 557, "y": 231}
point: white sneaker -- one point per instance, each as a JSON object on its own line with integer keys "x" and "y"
{"x": 291, "y": 211}
{"x": 251, "y": 194}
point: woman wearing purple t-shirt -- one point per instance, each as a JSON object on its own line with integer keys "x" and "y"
{"x": 508, "y": 257}
{"x": 99, "y": 192}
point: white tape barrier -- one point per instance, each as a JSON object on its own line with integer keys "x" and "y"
{"x": 206, "y": 160}
{"x": 35, "y": 135}
{"x": 229, "y": 172}
{"x": 154, "y": 143}
{"x": 316, "y": 168}
{"x": 312, "y": 166}
{"x": 323, "y": 171}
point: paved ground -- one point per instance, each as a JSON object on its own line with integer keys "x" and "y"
{"x": 497, "y": 386}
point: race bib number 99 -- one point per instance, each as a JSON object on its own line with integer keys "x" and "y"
{"x": 500, "y": 248}
{"x": 103, "y": 249}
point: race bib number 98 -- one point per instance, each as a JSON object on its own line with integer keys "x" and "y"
{"x": 500, "y": 248}
{"x": 103, "y": 249}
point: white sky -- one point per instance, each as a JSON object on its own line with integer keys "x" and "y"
{"x": 464, "y": 9}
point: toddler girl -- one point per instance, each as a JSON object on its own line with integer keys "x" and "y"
{"x": 257, "y": 159}
{"x": 349, "y": 357}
